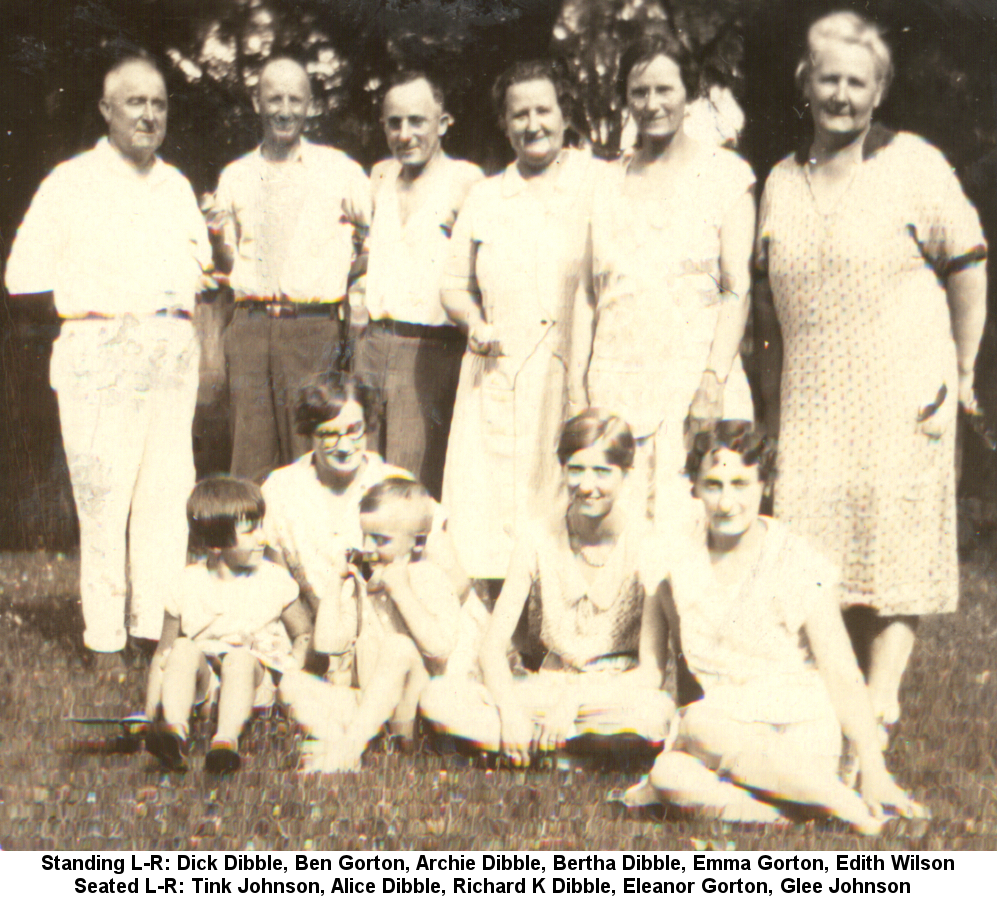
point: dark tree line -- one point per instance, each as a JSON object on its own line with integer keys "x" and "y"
{"x": 53, "y": 55}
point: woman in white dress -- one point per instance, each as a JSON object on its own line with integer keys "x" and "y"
{"x": 754, "y": 610}
{"x": 517, "y": 283}
{"x": 672, "y": 238}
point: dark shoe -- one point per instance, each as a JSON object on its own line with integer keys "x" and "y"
{"x": 222, "y": 758}
{"x": 169, "y": 748}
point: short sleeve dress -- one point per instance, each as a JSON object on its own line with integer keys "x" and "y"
{"x": 859, "y": 292}
{"x": 525, "y": 251}
{"x": 656, "y": 266}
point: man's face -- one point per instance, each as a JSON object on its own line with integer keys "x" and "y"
{"x": 134, "y": 107}
{"x": 282, "y": 101}
{"x": 414, "y": 123}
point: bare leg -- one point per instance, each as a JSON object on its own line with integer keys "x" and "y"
{"x": 889, "y": 654}
{"x": 180, "y": 675}
{"x": 684, "y": 781}
{"x": 397, "y": 659}
{"x": 241, "y": 675}
{"x": 402, "y": 723}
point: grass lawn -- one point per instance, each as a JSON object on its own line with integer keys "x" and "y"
{"x": 66, "y": 786}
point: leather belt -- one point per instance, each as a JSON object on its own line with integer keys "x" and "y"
{"x": 418, "y": 330}
{"x": 292, "y": 308}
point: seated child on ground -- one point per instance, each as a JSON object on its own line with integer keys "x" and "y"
{"x": 404, "y": 628}
{"x": 227, "y": 613}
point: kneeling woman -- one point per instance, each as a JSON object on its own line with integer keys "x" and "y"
{"x": 753, "y": 608}
{"x": 577, "y": 577}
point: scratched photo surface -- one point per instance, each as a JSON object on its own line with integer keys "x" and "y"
{"x": 74, "y": 773}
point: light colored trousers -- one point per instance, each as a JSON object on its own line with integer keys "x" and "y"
{"x": 127, "y": 388}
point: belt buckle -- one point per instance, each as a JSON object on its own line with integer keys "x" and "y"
{"x": 280, "y": 309}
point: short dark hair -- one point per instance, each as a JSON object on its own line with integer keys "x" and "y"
{"x": 217, "y": 504}
{"x": 595, "y": 425}
{"x": 530, "y": 71}
{"x": 741, "y": 436}
{"x": 406, "y": 76}
{"x": 323, "y": 397}
{"x": 397, "y": 488}
{"x": 650, "y": 46}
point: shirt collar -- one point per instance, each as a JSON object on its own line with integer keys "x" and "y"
{"x": 114, "y": 159}
{"x": 878, "y": 137}
{"x": 304, "y": 154}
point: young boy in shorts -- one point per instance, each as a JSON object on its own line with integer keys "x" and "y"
{"x": 408, "y": 616}
{"x": 231, "y": 613}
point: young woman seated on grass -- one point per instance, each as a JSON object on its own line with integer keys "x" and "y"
{"x": 754, "y": 610}
{"x": 578, "y": 579}
{"x": 226, "y": 615}
{"x": 408, "y": 618}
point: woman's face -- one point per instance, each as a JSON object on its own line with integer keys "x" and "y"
{"x": 593, "y": 483}
{"x": 657, "y": 97}
{"x": 339, "y": 444}
{"x": 534, "y": 123}
{"x": 731, "y": 491}
{"x": 842, "y": 88}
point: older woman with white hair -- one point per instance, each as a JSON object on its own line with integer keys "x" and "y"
{"x": 872, "y": 256}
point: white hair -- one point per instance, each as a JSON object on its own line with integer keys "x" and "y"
{"x": 847, "y": 28}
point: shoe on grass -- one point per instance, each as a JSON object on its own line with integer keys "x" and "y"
{"x": 169, "y": 747}
{"x": 222, "y": 758}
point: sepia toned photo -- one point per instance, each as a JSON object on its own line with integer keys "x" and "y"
{"x": 520, "y": 425}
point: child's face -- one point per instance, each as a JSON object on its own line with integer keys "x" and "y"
{"x": 247, "y": 553}
{"x": 392, "y": 532}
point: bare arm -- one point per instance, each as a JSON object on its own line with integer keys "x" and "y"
{"x": 434, "y": 631}
{"x": 737, "y": 234}
{"x": 837, "y": 666}
{"x": 154, "y": 685}
{"x": 336, "y": 621}
{"x": 966, "y": 292}
{"x": 297, "y": 620}
{"x": 517, "y": 727}
{"x": 653, "y": 650}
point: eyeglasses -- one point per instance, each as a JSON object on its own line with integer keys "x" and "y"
{"x": 333, "y": 437}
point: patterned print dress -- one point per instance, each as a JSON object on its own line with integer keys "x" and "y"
{"x": 859, "y": 291}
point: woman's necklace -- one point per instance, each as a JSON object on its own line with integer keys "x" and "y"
{"x": 583, "y": 551}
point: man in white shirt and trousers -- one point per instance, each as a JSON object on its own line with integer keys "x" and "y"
{"x": 291, "y": 216}
{"x": 411, "y": 351}
{"x": 116, "y": 235}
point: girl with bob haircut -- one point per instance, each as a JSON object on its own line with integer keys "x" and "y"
{"x": 577, "y": 578}
{"x": 229, "y": 616}
{"x": 753, "y": 609}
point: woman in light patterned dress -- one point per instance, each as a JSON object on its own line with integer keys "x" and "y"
{"x": 872, "y": 255}
{"x": 519, "y": 269}
{"x": 576, "y": 574}
{"x": 672, "y": 236}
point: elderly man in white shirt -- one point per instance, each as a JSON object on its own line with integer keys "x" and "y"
{"x": 291, "y": 215}
{"x": 116, "y": 235}
{"x": 411, "y": 352}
